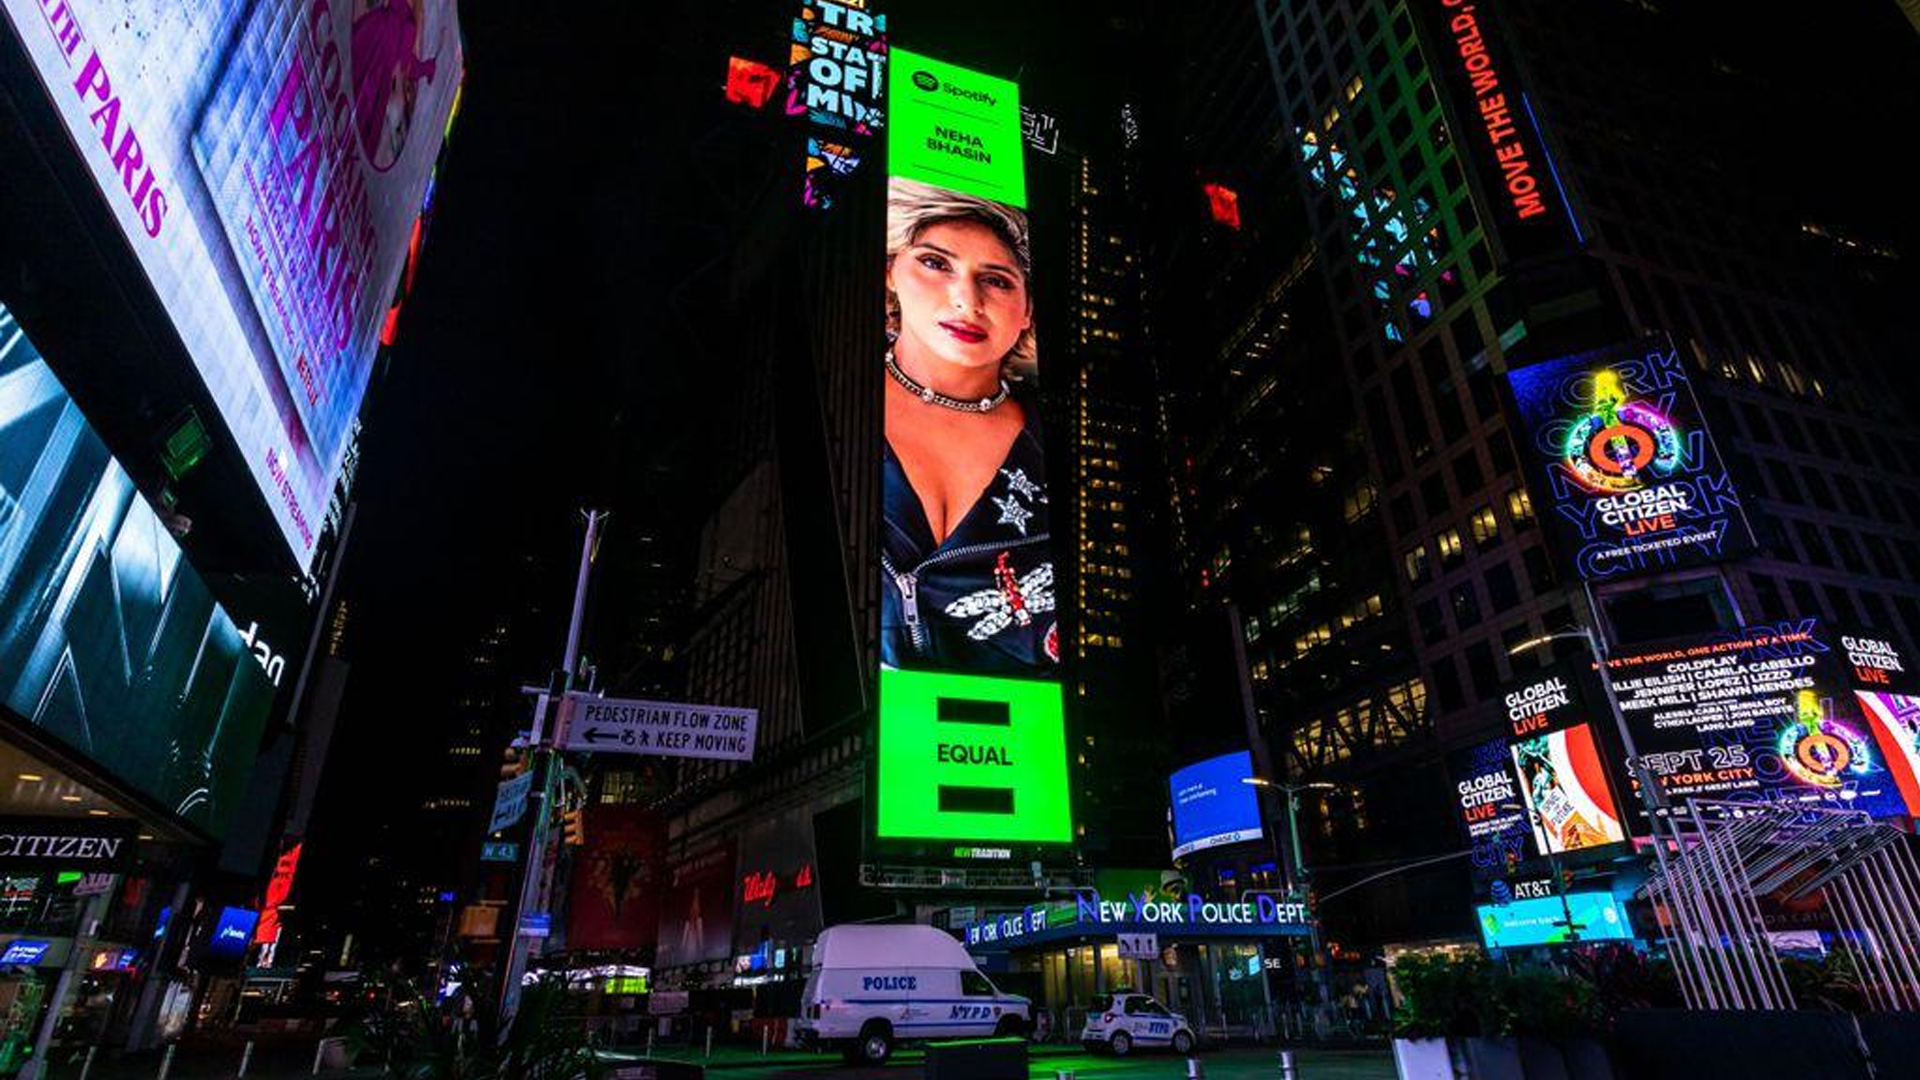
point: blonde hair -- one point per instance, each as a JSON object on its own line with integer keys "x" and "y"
{"x": 913, "y": 207}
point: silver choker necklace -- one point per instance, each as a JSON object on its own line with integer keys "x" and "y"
{"x": 932, "y": 397}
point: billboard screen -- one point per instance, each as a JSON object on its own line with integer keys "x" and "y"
{"x": 614, "y": 901}
{"x": 1541, "y": 787}
{"x": 1766, "y": 713}
{"x": 972, "y": 741}
{"x": 1542, "y": 920}
{"x": 1213, "y": 805}
{"x": 109, "y": 640}
{"x": 266, "y": 162}
{"x": 696, "y": 910}
{"x": 1563, "y": 781}
{"x": 1627, "y": 475}
{"x": 837, "y": 79}
{"x": 232, "y": 932}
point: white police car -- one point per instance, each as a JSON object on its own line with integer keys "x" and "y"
{"x": 1120, "y": 1022}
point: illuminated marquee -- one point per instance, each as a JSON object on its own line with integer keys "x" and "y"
{"x": 1260, "y": 914}
{"x": 837, "y": 80}
{"x": 1518, "y": 175}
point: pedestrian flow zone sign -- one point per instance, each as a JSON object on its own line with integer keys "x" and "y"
{"x": 661, "y": 728}
{"x": 510, "y": 802}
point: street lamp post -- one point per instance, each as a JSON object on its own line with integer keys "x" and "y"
{"x": 1553, "y": 867}
{"x": 1297, "y": 876}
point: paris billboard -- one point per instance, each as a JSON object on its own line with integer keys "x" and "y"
{"x": 265, "y": 162}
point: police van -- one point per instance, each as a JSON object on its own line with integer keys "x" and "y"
{"x": 874, "y": 987}
{"x": 1120, "y": 1022}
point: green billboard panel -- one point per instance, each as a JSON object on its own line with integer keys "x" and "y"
{"x": 955, "y": 128}
{"x": 971, "y": 757}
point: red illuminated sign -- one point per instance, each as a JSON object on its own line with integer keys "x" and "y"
{"x": 1497, "y": 113}
{"x": 1223, "y": 203}
{"x": 760, "y": 888}
{"x": 750, "y": 82}
{"x": 279, "y": 887}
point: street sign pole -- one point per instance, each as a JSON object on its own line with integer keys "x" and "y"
{"x": 530, "y": 884}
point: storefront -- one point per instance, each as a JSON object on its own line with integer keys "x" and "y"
{"x": 1207, "y": 959}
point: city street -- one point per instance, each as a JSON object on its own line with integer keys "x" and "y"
{"x": 1048, "y": 1062}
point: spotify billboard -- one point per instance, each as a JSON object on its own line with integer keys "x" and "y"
{"x": 971, "y": 734}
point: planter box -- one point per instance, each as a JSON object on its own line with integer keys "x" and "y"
{"x": 1493, "y": 1059}
{"x": 1564, "y": 1059}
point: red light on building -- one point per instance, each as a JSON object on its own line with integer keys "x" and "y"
{"x": 750, "y": 82}
{"x": 1223, "y": 203}
{"x": 279, "y": 888}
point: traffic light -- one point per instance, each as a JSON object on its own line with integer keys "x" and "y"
{"x": 573, "y": 825}
{"x": 514, "y": 761}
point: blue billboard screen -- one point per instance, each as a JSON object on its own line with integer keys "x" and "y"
{"x": 109, "y": 640}
{"x": 233, "y": 932}
{"x": 1542, "y": 920}
{"x": 1212, "y": 804}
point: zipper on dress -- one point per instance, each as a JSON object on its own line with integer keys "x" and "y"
{"x": 909, "y": 586}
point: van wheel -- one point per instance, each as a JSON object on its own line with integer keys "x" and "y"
{"x": 1009, "y": 1026}
{"x": 1121, "y": 1044}
{"x": 1182, "y": 1043}
{"x": 875, "y": 1044}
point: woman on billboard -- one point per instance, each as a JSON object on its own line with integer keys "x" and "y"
{"x": 965, "y": 550}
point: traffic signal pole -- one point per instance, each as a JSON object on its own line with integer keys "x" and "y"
{"x": 530, "y": 884}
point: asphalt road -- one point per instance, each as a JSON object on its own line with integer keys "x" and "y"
{"x": 1224, "y": 1064}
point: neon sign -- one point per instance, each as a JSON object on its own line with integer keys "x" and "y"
{"x": 762, "y": 886}
{"x": 1495, "y": 111}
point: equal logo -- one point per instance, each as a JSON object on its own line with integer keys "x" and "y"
{"x": 970, "y": 756}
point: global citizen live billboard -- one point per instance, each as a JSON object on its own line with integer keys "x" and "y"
{"x": 265, "y": 162}
{"x": 1543, "y": 786}
{"x": 1629, "y": 479}
{"x": 1213, "y": 805}
{"x": 971, "y": 729}
{"x": 1790, "y": 712}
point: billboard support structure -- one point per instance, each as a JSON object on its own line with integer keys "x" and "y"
{"x": 1708, "y": 901}
{"x": 530, "y": 879}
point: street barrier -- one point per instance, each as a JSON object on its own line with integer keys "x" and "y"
{"x": 1286, "y": 1066}
{"x": 1756, "y": 1044}
{"x": 977, "y": 1059}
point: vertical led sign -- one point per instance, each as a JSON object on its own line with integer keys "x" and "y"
{"x": 972, "y": 742}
